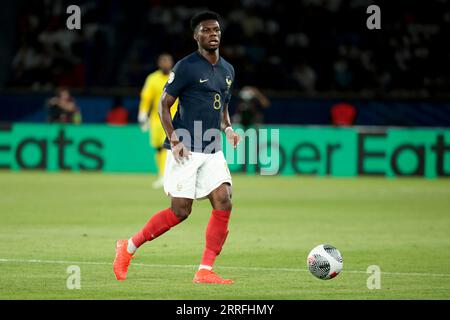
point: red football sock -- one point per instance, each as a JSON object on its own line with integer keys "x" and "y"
{"x": 156, "y": 226}
{"x": 216, "y": 233}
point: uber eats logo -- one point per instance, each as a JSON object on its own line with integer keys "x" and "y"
{"x": 53, "y": 149}
{"x": 352, "y": 152}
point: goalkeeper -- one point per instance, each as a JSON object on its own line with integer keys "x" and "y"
{"x": 148, "y": 111}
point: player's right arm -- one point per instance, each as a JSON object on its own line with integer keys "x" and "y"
{"x": 176, "y": 84}
{"x": 164, "y": 106}
{"x": 178, "y": 149}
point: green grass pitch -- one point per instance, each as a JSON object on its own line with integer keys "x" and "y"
{"x": 50, "y": 221}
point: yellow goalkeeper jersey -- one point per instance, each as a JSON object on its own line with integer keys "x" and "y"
{"x": 150, "y": 96}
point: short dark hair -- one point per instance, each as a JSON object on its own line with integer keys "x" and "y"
{"x": 203, "y": 16}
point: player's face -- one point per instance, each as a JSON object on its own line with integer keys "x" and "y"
{"x": 165, "y": 63}
{"x": 208, "y": 35}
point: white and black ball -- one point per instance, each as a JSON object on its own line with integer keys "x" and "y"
{"x": 325, "y": 262}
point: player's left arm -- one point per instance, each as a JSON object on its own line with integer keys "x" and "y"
{"x": 232, "y": 137}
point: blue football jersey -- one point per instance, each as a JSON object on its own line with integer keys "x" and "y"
{"x": 202, "y": 89}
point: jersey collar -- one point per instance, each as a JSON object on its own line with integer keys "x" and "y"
{"x": 219, "y": 61}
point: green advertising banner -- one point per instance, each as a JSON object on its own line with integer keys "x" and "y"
{"x": 286, "y": 150}
{"x": 76, "y": 148}
{"x": 418, "y": 153}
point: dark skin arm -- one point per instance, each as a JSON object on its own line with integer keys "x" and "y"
{"x": 232, "y": 137}
{"x": 178, "y": 149}
{"x": 164, "y": 106}
{"x": 226, "y": 122}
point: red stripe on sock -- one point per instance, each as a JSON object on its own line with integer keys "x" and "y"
{"x": 156, "y": 226}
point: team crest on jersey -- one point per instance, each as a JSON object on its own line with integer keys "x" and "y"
{"x": 228, "y": 81}
{"x": 171, "y": 77}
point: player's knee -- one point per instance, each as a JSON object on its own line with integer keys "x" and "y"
{"x": 224, "y": 203}
{"x": 182, "y": 212}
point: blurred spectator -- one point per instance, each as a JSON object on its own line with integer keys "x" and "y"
{"x": 118, "y": 114}
{"x": 306, "y": 77}
{"x": 343, "y": 114}
{"x": 63, "y": 109}
{"x": 263, "y": 39}
{"x": 249, "y": 108}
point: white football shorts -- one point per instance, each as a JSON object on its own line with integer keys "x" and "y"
{"x": 196, "y": 177}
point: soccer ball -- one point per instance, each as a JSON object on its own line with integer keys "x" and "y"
{"x": 324, "y": 262}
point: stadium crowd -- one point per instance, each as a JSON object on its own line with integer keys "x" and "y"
{"x": 305, "y": 46}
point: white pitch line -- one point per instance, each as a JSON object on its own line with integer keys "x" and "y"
{"x": 38, "y": 261}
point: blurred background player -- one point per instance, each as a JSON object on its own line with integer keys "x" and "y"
{"x": 148, "y": 111}
{"x": 249, "y": 109}
{"x": 62, "y": 108}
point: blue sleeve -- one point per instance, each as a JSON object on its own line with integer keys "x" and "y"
{"x": 230, "y": 90}
{"x": 178, "y": 80}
